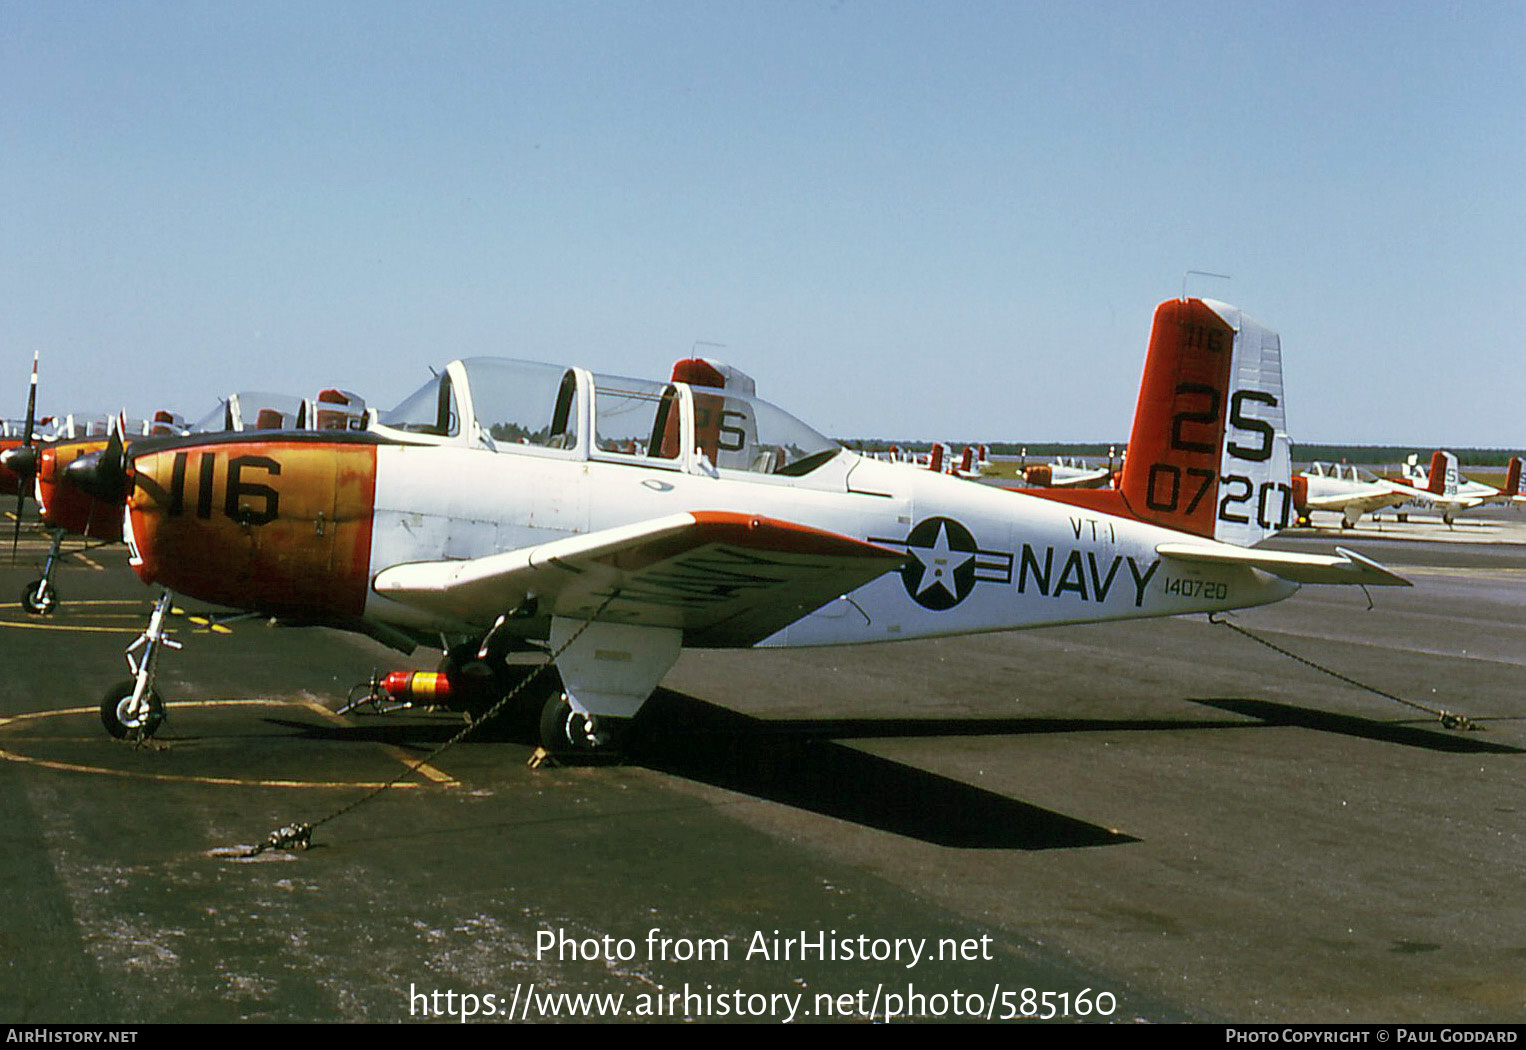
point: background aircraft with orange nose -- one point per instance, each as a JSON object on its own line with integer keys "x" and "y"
{"x": 70, "y": 504}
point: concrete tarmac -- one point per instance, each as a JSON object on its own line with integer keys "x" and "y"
{"x": 1156, "y": 820}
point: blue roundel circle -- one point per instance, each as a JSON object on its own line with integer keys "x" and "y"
{"x": 941, "y": 570}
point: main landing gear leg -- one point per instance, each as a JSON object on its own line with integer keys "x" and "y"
{"x": 133, "y": 708}
{"x": 608, "y": 671}
{"x": 40, "y": 597}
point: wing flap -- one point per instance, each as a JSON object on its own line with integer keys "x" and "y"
{"x": 1345, "y": 566}
{"x": 724, "y": 579}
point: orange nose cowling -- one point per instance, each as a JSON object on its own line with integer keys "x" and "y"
{"x": 67, "y": 506}
{"x": 279, "y": 527}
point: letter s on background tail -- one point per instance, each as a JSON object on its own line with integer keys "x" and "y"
{"x": 1210, "y": 453}
{"x": 1444, "y": 474}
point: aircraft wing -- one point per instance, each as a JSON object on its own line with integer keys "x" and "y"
{"x": 1346, "y": 567}
{"x": 1482, "y": 497}
{"x": 727, "y": 580}
{"x": 1091, "y": 479}
{"x": 1442, "y": 499}
{"x": 1374, "y": 497}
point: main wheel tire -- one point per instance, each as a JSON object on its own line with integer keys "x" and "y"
{"x": 566, "y": 732}
{"x": 114, "y": 712}
{"x": 40, "y": 598}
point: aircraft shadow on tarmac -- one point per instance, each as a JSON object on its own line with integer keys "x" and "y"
{"x": 800, "y": 763}
{"x": 797, "y": 763}
{"x": 803, "y": 763}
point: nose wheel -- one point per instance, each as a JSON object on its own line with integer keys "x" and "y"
{"x": 124, "y": 717}
{"x": 40, "y": 597}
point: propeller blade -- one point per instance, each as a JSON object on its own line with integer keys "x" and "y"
{"x": 31, "y": 401}
{"x": 21, "y": 485}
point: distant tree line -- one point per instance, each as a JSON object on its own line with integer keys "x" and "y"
{"x": 1302, "y": 453}
{"x": 1468, "y": 457}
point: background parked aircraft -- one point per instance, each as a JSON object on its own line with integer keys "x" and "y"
{"x": 1354, "y": 491}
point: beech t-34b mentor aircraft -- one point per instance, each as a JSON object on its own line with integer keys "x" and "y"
{"x": 1344, "y": 489}
{"x": 612, "y": 521}
{"x": 1352, "y": 491}
{"x": 1446, "y": 490}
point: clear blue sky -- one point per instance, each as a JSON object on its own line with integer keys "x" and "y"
{"x": 936, "y": 220}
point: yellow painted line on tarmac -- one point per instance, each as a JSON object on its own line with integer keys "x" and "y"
{"x": 93, "y": 614}
{"x": 170, "y": 778}
{"x": 144, "y": 602}
{"x": 138, "y": 610}
{"x": 203, "y": 623}
{"x": 30, "y": 625}
{"x": 176, "y": 778}
{"x": 424, "y": 768}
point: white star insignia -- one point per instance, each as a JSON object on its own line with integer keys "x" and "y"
{"x": 939, "y": 563}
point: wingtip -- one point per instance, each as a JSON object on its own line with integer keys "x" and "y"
{"x": 1387, "y": 577}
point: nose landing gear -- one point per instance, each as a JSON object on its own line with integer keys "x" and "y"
{"x": 133, "y": 709}
{"x": 40, "y": 597}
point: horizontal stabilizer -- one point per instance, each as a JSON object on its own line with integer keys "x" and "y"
{"x": 724, "y": 579}
{"x": 1345, "y": 566}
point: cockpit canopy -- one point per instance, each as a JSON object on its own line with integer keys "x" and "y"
{"x": 1343, "y": 472}
{"x": 249, "y": 410}
{"x": 524, "y": 406}
{"x": 254, "y": 410}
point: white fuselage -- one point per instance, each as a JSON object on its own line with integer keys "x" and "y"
{"x": 979, "y": 558}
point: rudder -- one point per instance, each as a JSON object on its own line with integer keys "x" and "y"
{"x": 1209, "y": 452}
